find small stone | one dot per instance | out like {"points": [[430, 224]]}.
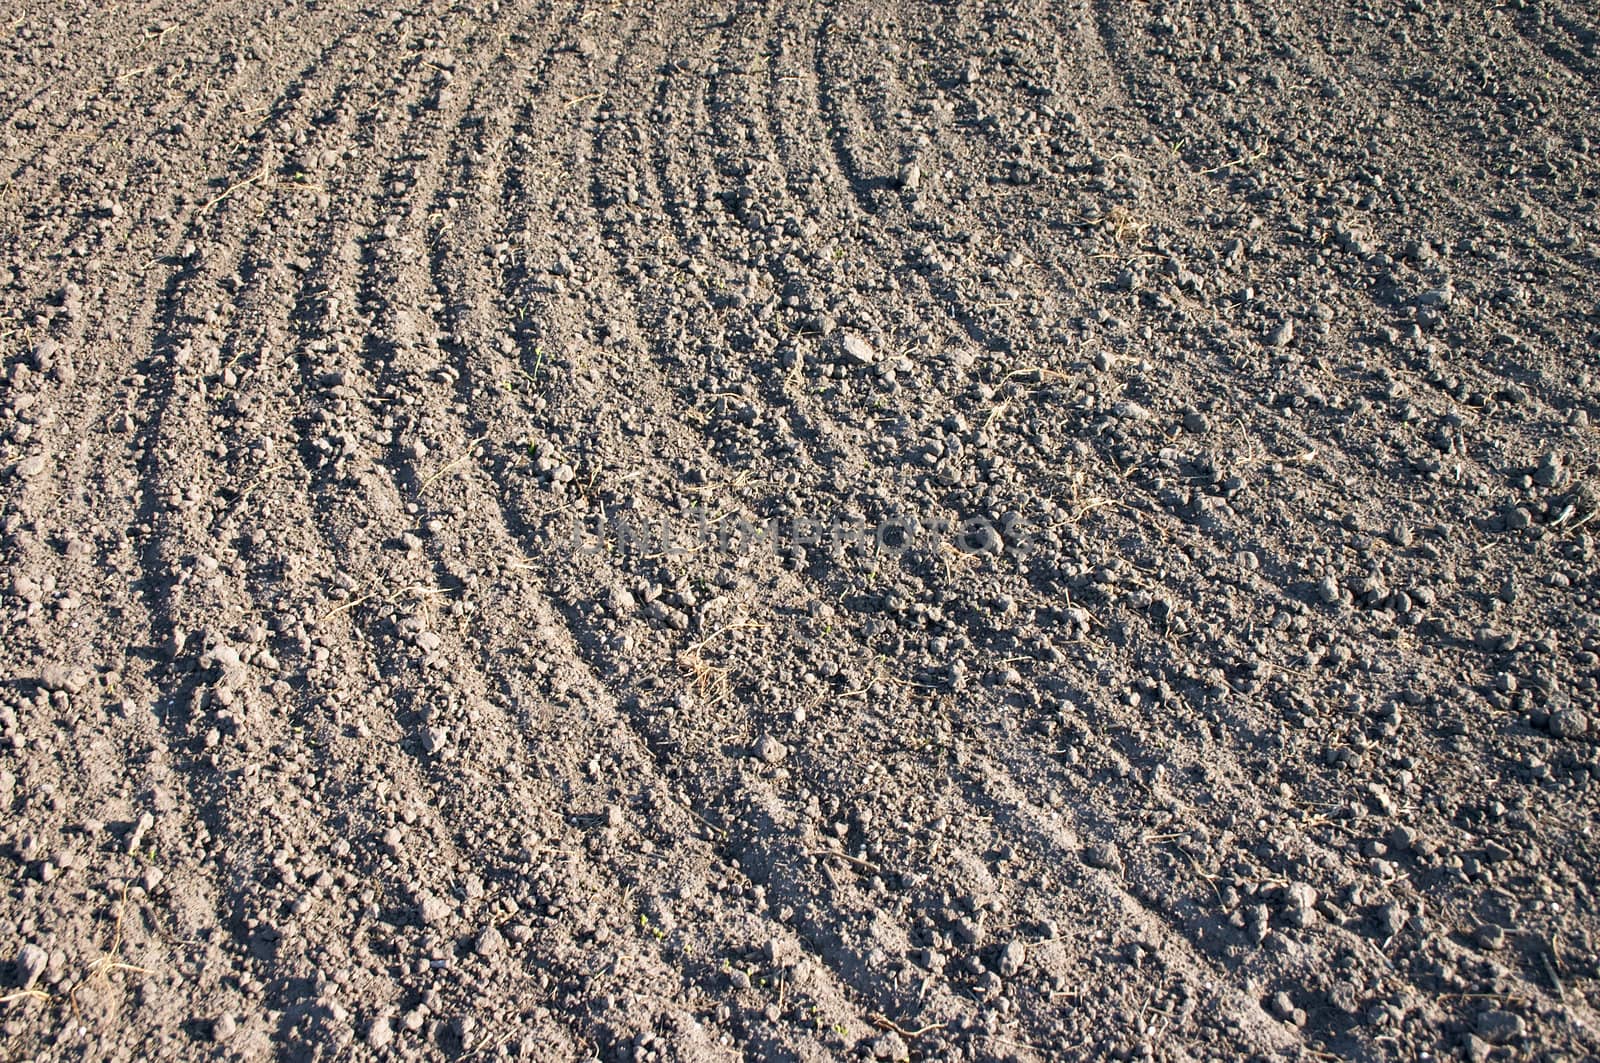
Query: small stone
{"points": [[489, 943], [45, 353], [1012, 957], [30, 467], [857, 349], [432, 910], [140, 828], [1128, 410], [769, 750], [620, 602], [1390, 919], [31, 962], [224, 1027], [1283, 1006], [59, 677], [1548, 473], [1501, 1027], [1569, 723], [1281, 334], [380, 1034], [1102, 855], [1301, 903]]}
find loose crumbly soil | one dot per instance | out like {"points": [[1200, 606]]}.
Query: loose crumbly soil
{"points": [[351, 350]]}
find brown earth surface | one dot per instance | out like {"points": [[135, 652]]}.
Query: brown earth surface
{"points": [[799, 530]]}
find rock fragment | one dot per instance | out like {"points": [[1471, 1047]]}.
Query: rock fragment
{"points": [[380, 1034], [1569, 723], [769, 750], [856, 349], [224, 1027], [1500, 1027], [489, 943], [31, 962], [1300, 904]]}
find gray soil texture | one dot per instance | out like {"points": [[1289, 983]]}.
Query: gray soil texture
{"points": [[807, 529]]}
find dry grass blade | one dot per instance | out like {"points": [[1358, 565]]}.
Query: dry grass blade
{"points": [[231, 189], [883, 1022], [710, 683], [24, 994]]}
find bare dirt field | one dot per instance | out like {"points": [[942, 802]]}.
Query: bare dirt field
{"points": [[799, 530]]}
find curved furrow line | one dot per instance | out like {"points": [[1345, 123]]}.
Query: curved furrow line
{"points": [[473, 333], [93, 397], [741, 927], [845, 118], [762, 843], [196, 111], [1261, 717], [175, 701], [759, 847], [251, 911], [781, 205], [99, 390], [178, 324], [95, 389], [568, 613], [376, 503], [1561, 36], [826, 83], [491, 811], [835, 1010]]}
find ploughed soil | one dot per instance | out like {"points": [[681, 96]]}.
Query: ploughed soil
{"points": [[799, 530]]}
